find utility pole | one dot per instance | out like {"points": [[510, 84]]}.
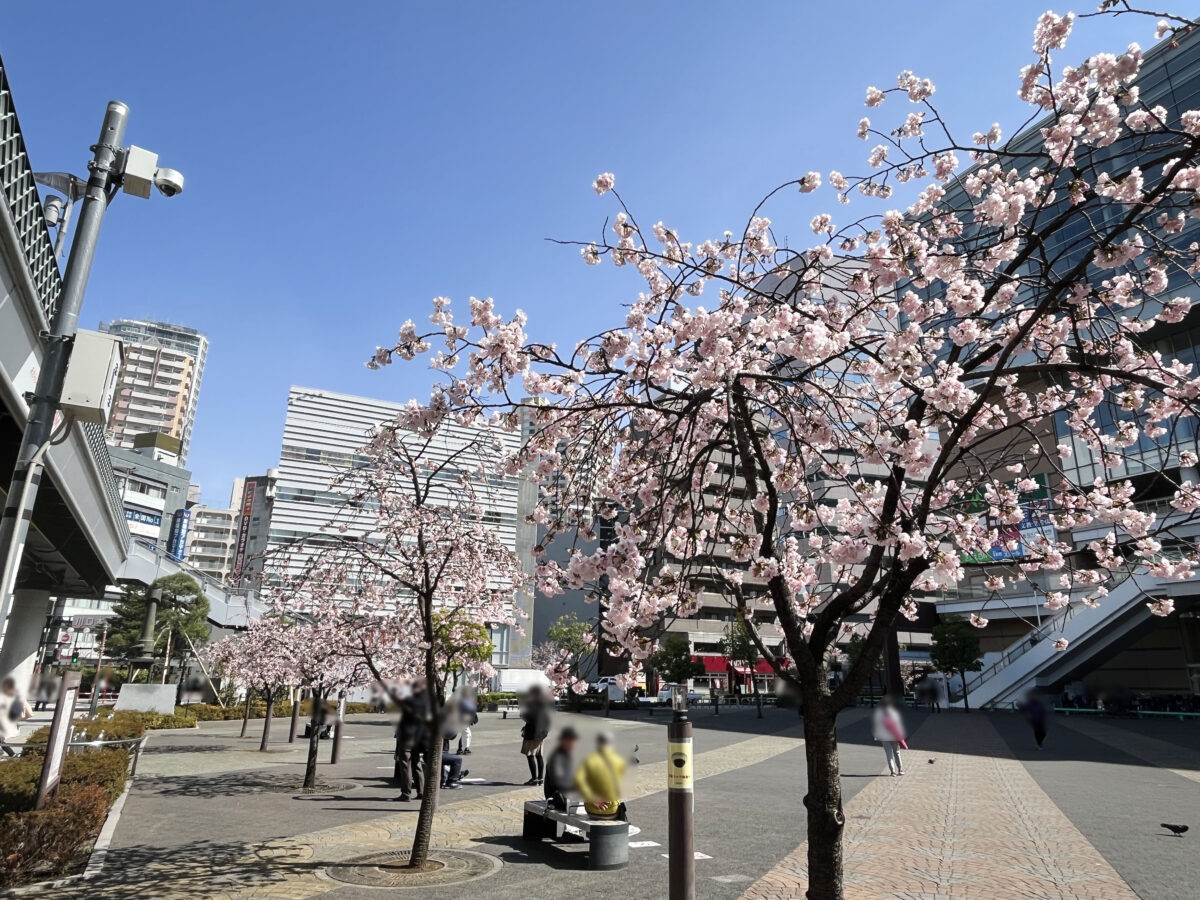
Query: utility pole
{"points": [[113, 166], [96, 679], [27, 473]]}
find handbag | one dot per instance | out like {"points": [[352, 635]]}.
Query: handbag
{"points": [[894, 730]]}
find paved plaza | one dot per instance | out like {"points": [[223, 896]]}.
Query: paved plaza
{"points": [[990, 816]]}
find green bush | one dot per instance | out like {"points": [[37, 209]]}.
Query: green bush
{"points": [[107, 769], [211, 712], [47, 843]]}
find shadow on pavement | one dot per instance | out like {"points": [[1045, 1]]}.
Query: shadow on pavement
{"points": [[197, 869], [564, 855]]}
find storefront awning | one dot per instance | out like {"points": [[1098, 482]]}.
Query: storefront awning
{"points": [[713, 665]]}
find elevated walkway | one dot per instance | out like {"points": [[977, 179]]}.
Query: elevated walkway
{"points": [[227, 607]]}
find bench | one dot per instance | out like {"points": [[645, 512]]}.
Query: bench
{"points": [[608, 839]]}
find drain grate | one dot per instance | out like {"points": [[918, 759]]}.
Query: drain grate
{"points": [[390, 869]]}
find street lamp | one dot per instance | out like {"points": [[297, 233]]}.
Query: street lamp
{"points": [[113, 167], [680, 799]]}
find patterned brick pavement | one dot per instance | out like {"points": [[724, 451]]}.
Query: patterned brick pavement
{"points": [[290, 869], [974, 825]]}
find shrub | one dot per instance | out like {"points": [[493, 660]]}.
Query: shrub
{"points": [[47, 843], [106, 769]]}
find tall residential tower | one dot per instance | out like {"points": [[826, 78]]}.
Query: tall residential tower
{"points": [[159, 385]]}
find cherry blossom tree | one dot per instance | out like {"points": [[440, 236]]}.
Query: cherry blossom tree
{"points": [[261, 658], [842, 429], [412, 575]]}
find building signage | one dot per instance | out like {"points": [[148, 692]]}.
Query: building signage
{"points": [[180, 525], [1014, 541], [239, 559], [136, 515]]}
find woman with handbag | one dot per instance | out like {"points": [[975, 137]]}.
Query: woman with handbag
{"points": [[888, 728]]}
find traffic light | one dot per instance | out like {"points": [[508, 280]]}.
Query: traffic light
{"points": [[74, 657]]}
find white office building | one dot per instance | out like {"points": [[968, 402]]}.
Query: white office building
{"points": [[323, 434]]}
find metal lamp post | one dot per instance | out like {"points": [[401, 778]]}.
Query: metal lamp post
{"points": [[113, 166], [680, 799]]}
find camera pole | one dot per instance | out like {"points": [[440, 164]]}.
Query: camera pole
{"points": [[27, 473]]}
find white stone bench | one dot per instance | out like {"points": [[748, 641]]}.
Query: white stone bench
{"points": [[608, 839]]}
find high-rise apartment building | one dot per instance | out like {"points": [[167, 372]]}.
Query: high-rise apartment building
{"points": [[323, 434], [159, 384], [212, 539]]}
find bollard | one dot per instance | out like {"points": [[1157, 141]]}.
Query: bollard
{"points": [[680, 803]]}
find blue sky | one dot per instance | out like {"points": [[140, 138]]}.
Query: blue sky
{"points": [[347, 163]]}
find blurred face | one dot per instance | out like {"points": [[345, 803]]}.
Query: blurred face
{"points": [[568, 744]]}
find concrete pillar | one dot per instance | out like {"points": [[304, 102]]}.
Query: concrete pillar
{"points": [[26, 621]]}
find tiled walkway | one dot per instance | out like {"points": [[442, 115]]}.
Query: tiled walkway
{"points": [[973, 825], [291, 868]]}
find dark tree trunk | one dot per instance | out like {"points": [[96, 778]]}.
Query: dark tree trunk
{"points": [[824, 799], [246, 713], [966, 702], [266, 732], [314, 738], [757, 694], [429, 793]]}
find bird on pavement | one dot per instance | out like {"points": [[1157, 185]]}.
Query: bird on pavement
{"points": [[1177, 830], [931, 760], [633, 757]]}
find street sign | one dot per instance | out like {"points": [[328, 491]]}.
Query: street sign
{"points": [[89, 621], [60, 733], [65, 639]]}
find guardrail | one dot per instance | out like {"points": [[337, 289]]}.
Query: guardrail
{"points": [[135, 745]]}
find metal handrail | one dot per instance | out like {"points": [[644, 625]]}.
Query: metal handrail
{"points": [[1035, 637], [137, 744]]}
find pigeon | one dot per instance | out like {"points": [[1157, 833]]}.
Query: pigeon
{"points": [[633, 756], [1177, 830], [931, 760]]}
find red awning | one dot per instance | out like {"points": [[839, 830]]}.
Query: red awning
{"points": [[762, 667], [713, 664], [742, 670]]}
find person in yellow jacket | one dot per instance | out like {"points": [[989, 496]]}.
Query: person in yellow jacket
{"points": [[598, 779]]}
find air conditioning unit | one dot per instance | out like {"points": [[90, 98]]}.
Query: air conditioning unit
{"points": [[91, 378]]}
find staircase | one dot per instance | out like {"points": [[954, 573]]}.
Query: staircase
{"points": [[1033, 659]]}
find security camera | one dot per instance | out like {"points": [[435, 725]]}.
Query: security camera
{"points": [[168, 181]]}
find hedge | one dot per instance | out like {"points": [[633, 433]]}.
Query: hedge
{"points": [[105, 769], [211, 712], [47, 843]]}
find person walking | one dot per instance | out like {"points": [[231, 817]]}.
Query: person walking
{"points": [[468, 711], [13, 709], [410, 741], [1035, 715], [560, 770], [534, 732], [888, 728], [599, 780]]}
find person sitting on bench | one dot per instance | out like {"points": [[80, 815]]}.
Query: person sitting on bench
{"points": [[599, 780], [560, 770]]}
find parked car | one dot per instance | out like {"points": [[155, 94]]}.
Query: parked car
{"points": [[663, 698]]}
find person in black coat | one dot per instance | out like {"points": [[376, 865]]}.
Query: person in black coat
{"points": [[534, 732], [410, 741], [560, 769]]}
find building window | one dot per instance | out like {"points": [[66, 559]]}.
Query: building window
{"points": [[499, 636]]}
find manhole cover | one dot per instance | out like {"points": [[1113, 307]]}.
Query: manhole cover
{"points": [[390, 870]]}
